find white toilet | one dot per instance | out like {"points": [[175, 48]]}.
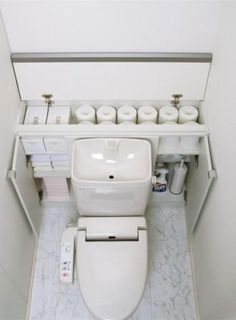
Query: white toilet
{"points": [[111, 180]]}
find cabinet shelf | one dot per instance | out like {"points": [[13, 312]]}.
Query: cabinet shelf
{"points": [[82, 131]]}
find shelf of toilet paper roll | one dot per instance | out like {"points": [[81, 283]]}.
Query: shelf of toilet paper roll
{"points": [[126, 128], [97, 114]]}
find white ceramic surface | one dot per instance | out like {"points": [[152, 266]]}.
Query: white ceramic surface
{"points": [[112, 274], [111, 176], [123, 159]]}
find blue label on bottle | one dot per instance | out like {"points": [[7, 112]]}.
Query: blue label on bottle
{"points": [[159, 187]]}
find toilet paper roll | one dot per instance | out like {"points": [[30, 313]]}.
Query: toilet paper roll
{"points": [[187, 113], [126, 113], [168, 113], [127, 123], [148, 123], [147, 113], [189, 143], [106, 113], [107, 122], [86, 122], [85, 113], [169, 143]]}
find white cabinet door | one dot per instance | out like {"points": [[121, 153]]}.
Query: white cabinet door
{"points": [[24, 184], [111, 77], [198, 184]]}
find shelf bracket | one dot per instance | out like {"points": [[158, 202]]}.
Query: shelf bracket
{"points": [[48, 99]]}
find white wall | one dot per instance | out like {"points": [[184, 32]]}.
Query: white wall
{"points": [[16, 239], [67, 26], [214, 242]]}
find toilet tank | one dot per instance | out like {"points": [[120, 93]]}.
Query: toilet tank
{"points": [[111, 177]]}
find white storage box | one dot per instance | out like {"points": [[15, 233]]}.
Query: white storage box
{"points": [[44, 164], [60, 165], [58, 115], [55, 145], [60, 160], [36, 115], [41, 160], [33, 145], [40, 172]]}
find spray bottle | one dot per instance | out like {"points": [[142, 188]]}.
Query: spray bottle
{"points": [[160, 183]]}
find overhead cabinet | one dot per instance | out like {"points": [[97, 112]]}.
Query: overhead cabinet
{"points": [[112, 76], [111, 79]]}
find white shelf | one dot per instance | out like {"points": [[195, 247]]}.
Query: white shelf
{"points": [[72, 132], [82, 131]]}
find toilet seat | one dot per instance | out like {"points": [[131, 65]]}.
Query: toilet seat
{"points": [[112, 264]]}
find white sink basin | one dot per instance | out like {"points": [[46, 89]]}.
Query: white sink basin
{"points": [[114, 160]]}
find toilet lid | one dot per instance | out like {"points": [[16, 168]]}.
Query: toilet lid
{"points": [[112, 274]]}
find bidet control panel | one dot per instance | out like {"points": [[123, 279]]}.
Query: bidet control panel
{"points": [[67, 255]]}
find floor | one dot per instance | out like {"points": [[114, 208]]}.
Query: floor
{"points": [[169, 291]]}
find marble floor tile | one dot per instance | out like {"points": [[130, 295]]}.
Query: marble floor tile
{"points": [[170, 266], [168, 293]]}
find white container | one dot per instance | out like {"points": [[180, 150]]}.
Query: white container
{"points": [[126, 113], [36, 115], [111, 177], [64, 164], [58, 115], [85, 113], [40, 157], [40, 160], [54, 145], [189, 143], [168, 113], [33, 145], [41, 164], [169, 143], [60, 160], [178, 179], [187, 113], [106, 113], [44, 169], [59, 157], [147, 114]]}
